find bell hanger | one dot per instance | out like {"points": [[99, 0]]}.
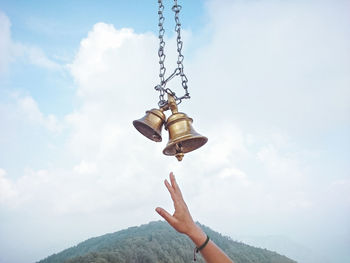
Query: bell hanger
{"points": [[182, 136]]}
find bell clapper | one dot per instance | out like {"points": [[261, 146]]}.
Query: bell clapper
{"points": [[179, 154], [173, 107]]}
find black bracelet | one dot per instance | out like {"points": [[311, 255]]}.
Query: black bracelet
{"points": [[197, 249]]}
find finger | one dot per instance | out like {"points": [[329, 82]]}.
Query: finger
{"points": [[168, 217], [172, 179], [170, 189], [175, 185], [169, 186], [175, 194]]}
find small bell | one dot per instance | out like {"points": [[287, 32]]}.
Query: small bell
{"points": [[151, 124]]}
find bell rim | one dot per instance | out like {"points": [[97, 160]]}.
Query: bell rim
{"points": [[155, 139], [185, 138]]}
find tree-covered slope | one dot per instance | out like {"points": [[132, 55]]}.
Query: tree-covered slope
{"points": [[157, 242]]}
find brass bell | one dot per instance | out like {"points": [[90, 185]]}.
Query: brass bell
{"points": [[151, 124], [182, 137]]}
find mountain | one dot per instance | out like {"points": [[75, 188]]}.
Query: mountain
{"points": [[287, 246], [157, 242]]}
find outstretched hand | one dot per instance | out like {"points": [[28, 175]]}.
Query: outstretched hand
{"points": [[181, 220]]}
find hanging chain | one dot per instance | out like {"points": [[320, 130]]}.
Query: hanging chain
{"points": [[180, 68], [177, 8], [161, 54]]}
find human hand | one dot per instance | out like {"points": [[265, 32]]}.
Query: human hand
{"points": [[181, 220]]}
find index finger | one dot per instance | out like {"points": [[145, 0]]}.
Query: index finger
{"points": [[170, 188], [175, 185]]}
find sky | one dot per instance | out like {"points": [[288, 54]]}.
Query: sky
{"points": [[270, 87]]}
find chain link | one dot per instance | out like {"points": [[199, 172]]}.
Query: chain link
{"points": [[177, 8], [161, 54], [180, 68]]}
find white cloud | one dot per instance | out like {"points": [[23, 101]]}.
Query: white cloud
{"points": [[28, 109], [37, 57], [34, 55], [228, 143], [12, 50], [7, 191], [273, 64], [340, 190], [277, 165], [85, 168], [122, 61]]}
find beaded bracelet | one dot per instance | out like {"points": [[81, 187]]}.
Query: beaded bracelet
{"points": [[197, 249]]}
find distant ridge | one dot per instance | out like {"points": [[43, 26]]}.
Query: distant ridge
{"points": [[157, 242]]}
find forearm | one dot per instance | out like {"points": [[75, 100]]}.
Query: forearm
{"points": [[211, 253]]}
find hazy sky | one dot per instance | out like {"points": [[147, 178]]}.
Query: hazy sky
{"points": [[270, 87]]}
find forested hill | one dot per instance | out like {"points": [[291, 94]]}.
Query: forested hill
{"points": [[157, 242]]}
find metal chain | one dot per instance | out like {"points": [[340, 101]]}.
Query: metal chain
{"points": [[177, 8], [161, 54], [180, 68]]}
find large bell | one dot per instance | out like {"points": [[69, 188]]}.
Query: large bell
{"points": [[182, 137], [151, 124]]}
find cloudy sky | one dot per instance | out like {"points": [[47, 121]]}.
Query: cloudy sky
{"points": [[270, 87]]}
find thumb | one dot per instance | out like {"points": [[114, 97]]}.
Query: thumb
{"points": [[163, 213]]}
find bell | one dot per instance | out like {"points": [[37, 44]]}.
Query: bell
{"points": [[151, 124], [182, 137]]}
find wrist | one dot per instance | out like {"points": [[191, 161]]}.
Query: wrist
{"points": [[197, 235]]}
